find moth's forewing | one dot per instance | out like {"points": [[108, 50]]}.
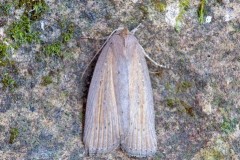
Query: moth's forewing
{"points": [[102, 125], [140, 137]]}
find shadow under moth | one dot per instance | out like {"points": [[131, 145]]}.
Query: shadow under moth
{"points": [[120, 111]]}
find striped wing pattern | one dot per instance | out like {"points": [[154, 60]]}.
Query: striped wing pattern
{"points": [[140, 139], [102, 129], [120, 102]]}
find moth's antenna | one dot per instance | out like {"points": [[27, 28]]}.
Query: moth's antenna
{"points": [[120, 28], [136, 28]]}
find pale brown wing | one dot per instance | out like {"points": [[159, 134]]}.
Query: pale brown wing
{"points": [[102, 124], [140, 138]]}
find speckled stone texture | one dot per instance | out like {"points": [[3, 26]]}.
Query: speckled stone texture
{"points": [[197, 102]]}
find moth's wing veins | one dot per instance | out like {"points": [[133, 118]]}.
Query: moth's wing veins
{"points": [[140, 139], [102, 126]]}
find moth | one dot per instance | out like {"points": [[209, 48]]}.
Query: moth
{"points": [[120, 111]]}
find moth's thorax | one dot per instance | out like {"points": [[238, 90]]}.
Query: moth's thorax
{"points": [[124, 33]]}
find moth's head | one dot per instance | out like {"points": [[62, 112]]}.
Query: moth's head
{"points": [[124, 32]]}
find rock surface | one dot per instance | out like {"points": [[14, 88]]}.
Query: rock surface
{"points": [[43, 97]]}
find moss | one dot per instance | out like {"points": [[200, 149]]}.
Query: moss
{"points": [[3, 50], [168, 86], [228, 125], [182, 106], [34, 9], [144, 10], [3, 63], [202, 11], [183, 86], [183, 5], [3, 54], [5, 8], [159, 5], [13, 67], [8, 82], [171, 102], [212, 154], [68, 33], [178, 25], [21, 32], [4, 58], [46, 80], [53, 49], [13, 135], [187, 107]]}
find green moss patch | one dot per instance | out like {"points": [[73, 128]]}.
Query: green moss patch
{"points": [[184, 5], [144, 10], [8, 82], [159, 5], [187, 107], [53, 49], [67, 31], [202, 11], [171, 102], [13, 135], [178, 103], [183, 86], [9, 68], [228, 125], [5, 8], [3, 54], [46, 80], [21, 32], [34, 9], [181, 105], [212, 154]]}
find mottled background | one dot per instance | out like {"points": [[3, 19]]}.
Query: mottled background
{"points": [[43, 55]]}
